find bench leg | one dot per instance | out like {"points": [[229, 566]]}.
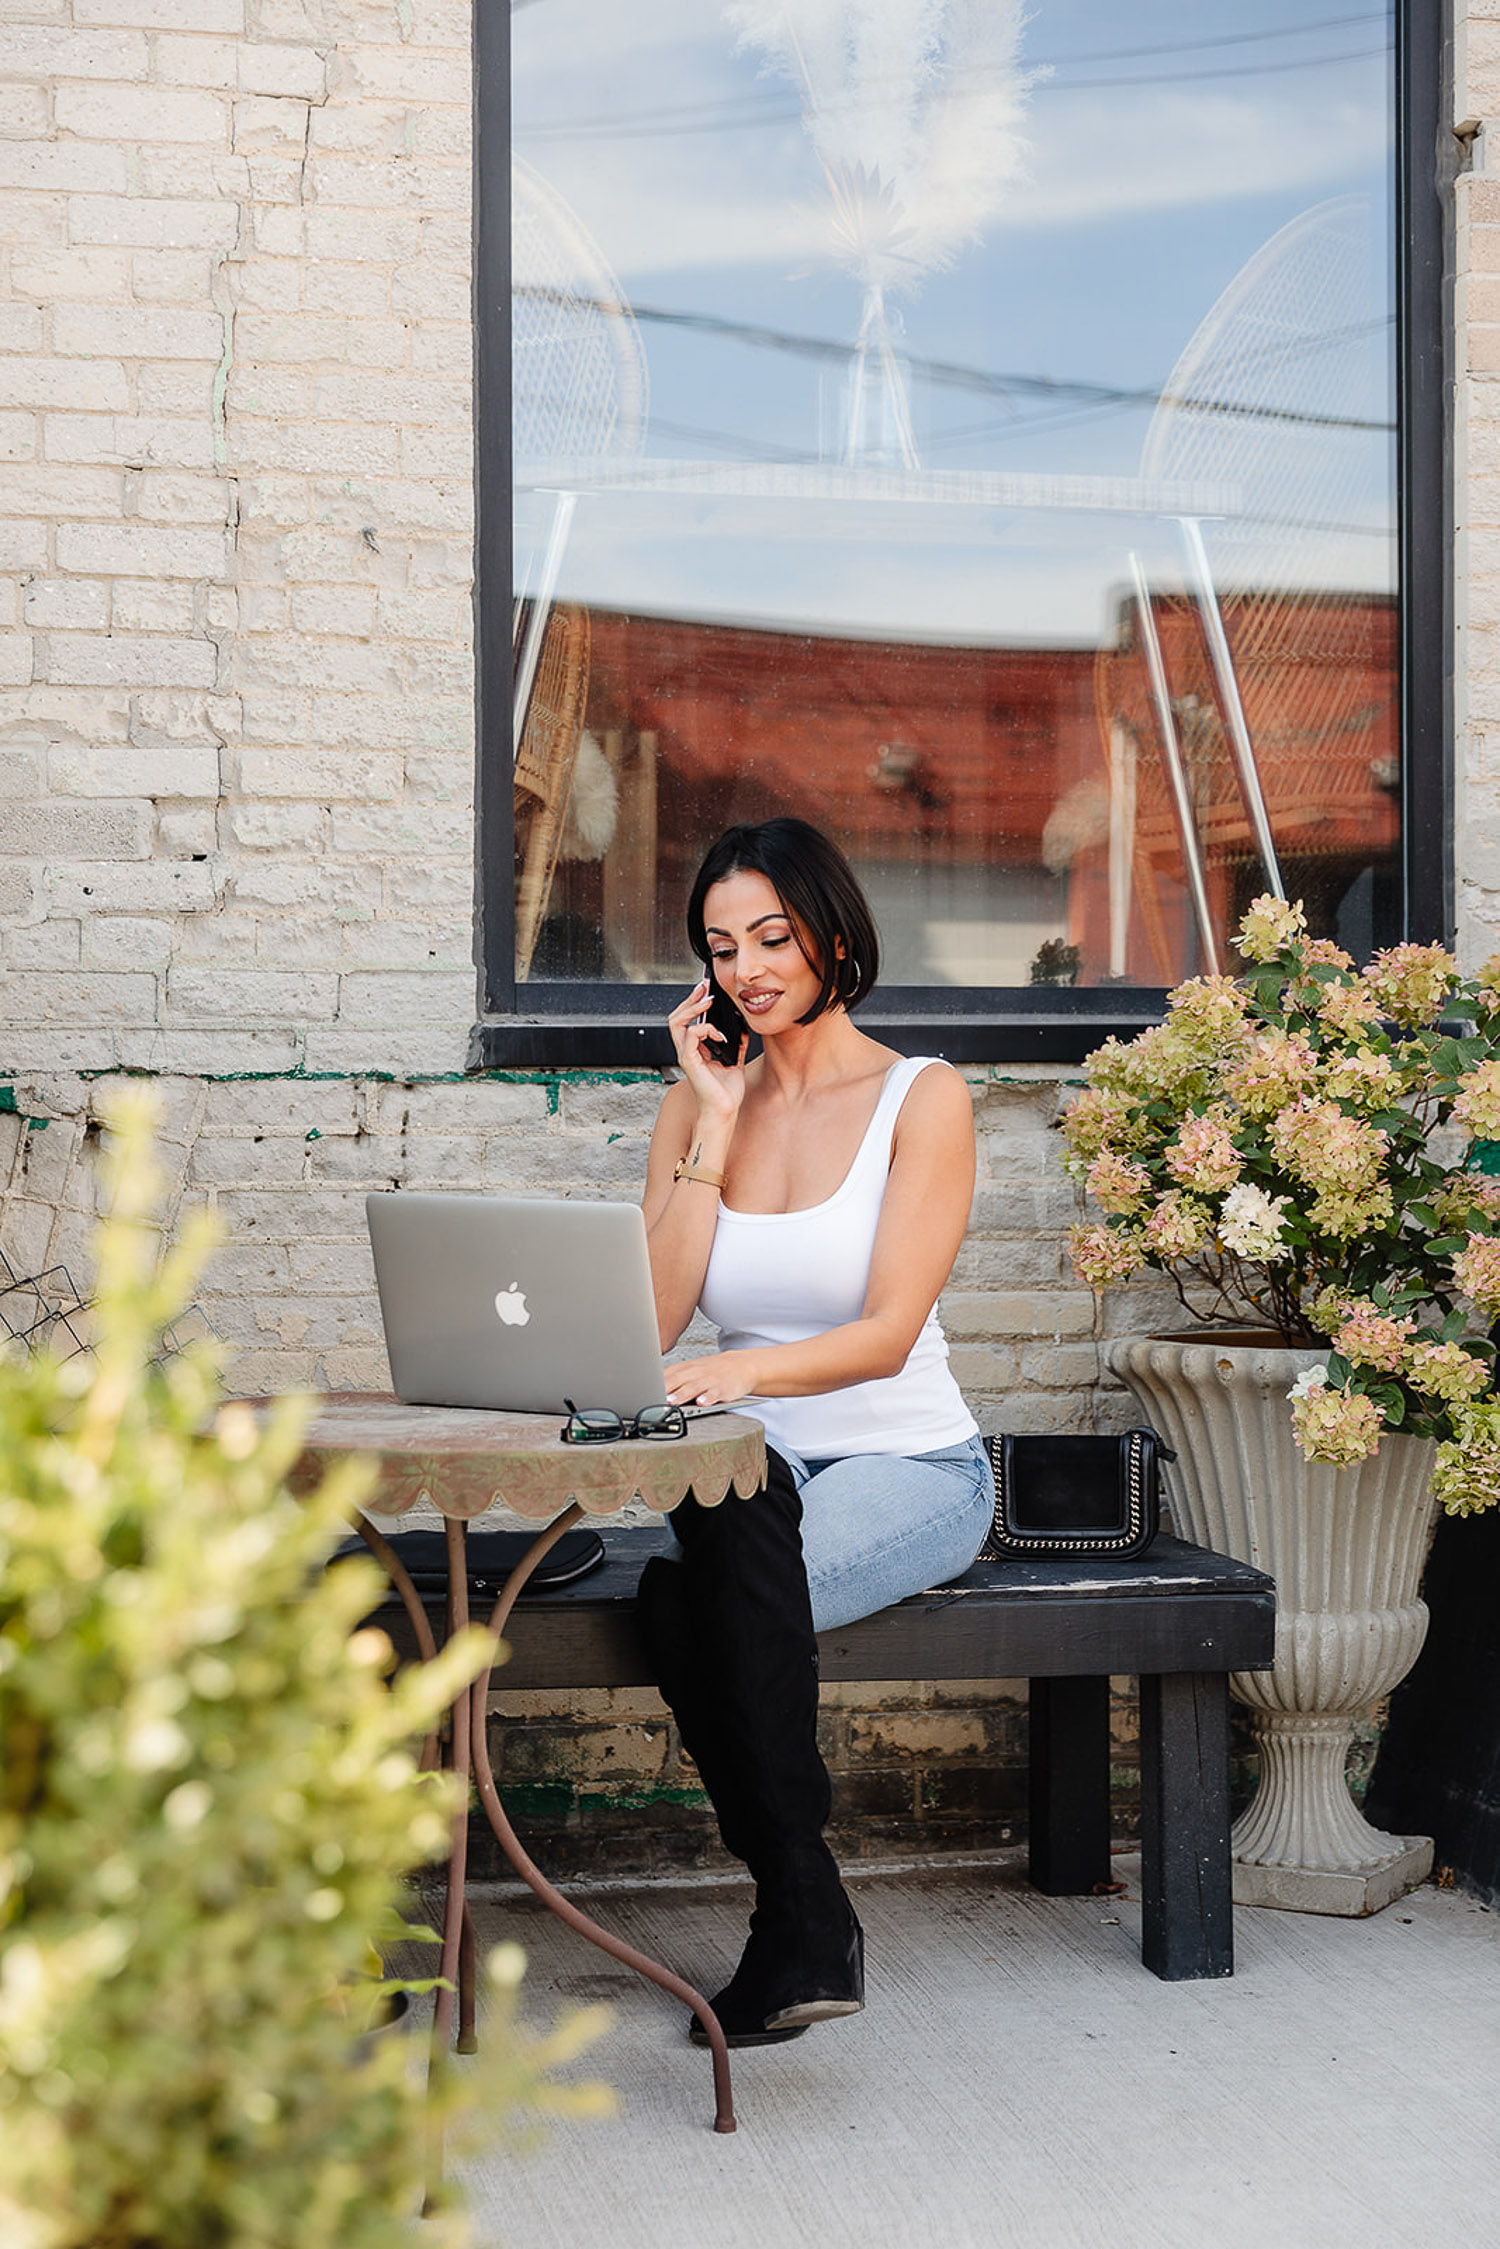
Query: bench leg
{"points": [[1187, 1928], [1068, 1785]]}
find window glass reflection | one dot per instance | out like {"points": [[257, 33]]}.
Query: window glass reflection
{"points": [[973, 432]]}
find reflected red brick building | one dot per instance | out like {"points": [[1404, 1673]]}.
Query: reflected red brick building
{"points": [[1006, 762]]}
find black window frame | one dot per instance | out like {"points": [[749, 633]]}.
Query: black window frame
{"points": [[544, 1025]]}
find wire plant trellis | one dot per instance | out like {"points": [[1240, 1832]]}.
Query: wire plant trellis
{"points": [[47, 1311], [192, 1326], [41, 1312]]}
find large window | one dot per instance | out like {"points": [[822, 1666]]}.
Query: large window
{"points": [[972, 426]]}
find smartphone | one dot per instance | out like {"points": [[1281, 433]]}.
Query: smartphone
{"points": [[726, 1019]]}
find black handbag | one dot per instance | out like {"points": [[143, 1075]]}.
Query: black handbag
{"points": [[492, 1555], [1061, 1496]]}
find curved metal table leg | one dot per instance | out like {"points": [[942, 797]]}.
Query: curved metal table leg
{"points": [[535, 1880], [395, 1569], [457, 1962], [468, 2036], [455, 1906]]}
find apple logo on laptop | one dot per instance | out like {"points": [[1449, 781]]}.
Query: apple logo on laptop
{"points": [[511, 1306]]}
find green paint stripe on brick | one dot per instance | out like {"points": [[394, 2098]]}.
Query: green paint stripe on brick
{"points": [[555, 1800], [553, 1078], [538, 1800], [10, 1107], [639, 1799]]}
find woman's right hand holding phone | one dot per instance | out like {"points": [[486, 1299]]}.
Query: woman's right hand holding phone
{"points": [[719, 1085], [695, 1127]]}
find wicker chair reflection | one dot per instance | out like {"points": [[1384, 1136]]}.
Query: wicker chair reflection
{"points": [[544, 769]]}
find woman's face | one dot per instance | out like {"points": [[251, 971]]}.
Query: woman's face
{"points": [[758, 953]]}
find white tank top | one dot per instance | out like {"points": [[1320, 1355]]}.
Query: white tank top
{"points": [[784, 1276]]}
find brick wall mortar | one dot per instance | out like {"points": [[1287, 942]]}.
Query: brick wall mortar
{"points": [[235, 407]]}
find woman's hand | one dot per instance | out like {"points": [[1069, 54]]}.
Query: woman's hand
{"points": [[714, 1381], [696, 1123], [718, 1087]]}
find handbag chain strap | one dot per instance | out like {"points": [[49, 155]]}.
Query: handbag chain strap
{"points": [[1102, 1542]]}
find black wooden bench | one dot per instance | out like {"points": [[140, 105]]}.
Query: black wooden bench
{"points": [[1179, 1620]]}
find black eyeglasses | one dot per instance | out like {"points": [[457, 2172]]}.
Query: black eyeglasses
{"points": [[597, 1425]]}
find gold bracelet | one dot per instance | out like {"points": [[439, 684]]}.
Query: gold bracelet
{"points": [[685, 1170]]}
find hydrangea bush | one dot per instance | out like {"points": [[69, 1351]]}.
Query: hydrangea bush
{"points": [[1300, 1149], [208, 1801]]}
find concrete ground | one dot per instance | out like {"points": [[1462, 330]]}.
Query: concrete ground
{"points": [[1018, 2081]]}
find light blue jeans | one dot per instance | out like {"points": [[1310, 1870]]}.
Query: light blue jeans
{"points": [[877, 1527]]}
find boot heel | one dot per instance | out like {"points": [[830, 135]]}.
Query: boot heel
{"points": [[792, 2019], [830, 2006]]}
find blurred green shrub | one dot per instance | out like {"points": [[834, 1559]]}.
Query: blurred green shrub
{"points": [[208, 1799]]}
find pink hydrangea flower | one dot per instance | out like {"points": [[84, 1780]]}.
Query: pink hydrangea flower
{"points": [[1411, 982], [1326, 1149], [1368, 1079], [1204, 1155], [1447, 1371], [1173, 1060], [1348, 1010], [1210, 1008], [1329, 1306], [1372, 1338], [1476, 1270], [1322, 952], [1109, 1065], [1339, 1426], [1277, 1067], [1116, 1183], [1269, 925], [1097, 1119], [1478, 1103], [1350, 1213], [1102, 1254], [1466, 1478], [1464, 1195], [1304, 989], [1178, 1227]]}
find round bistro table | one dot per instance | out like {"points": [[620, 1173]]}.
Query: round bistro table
{"points": [[462, 1462]]}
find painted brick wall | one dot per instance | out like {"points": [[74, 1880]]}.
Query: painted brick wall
{"points": [[235, 736]]}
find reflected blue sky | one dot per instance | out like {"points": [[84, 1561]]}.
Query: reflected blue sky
{"points": [[1163, 150]]}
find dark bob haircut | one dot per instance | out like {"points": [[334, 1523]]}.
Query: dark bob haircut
{"points": [[819, 890]]}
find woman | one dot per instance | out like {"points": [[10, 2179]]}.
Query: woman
{"points": [[812, 1202]]}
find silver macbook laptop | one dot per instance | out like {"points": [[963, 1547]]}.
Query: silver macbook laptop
{"points": [[516, 1305]]}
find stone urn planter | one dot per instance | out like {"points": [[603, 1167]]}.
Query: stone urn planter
{"points": [[1346, 1548]]}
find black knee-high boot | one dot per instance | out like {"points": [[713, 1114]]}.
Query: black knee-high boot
{"points": [[729, 1632]]}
